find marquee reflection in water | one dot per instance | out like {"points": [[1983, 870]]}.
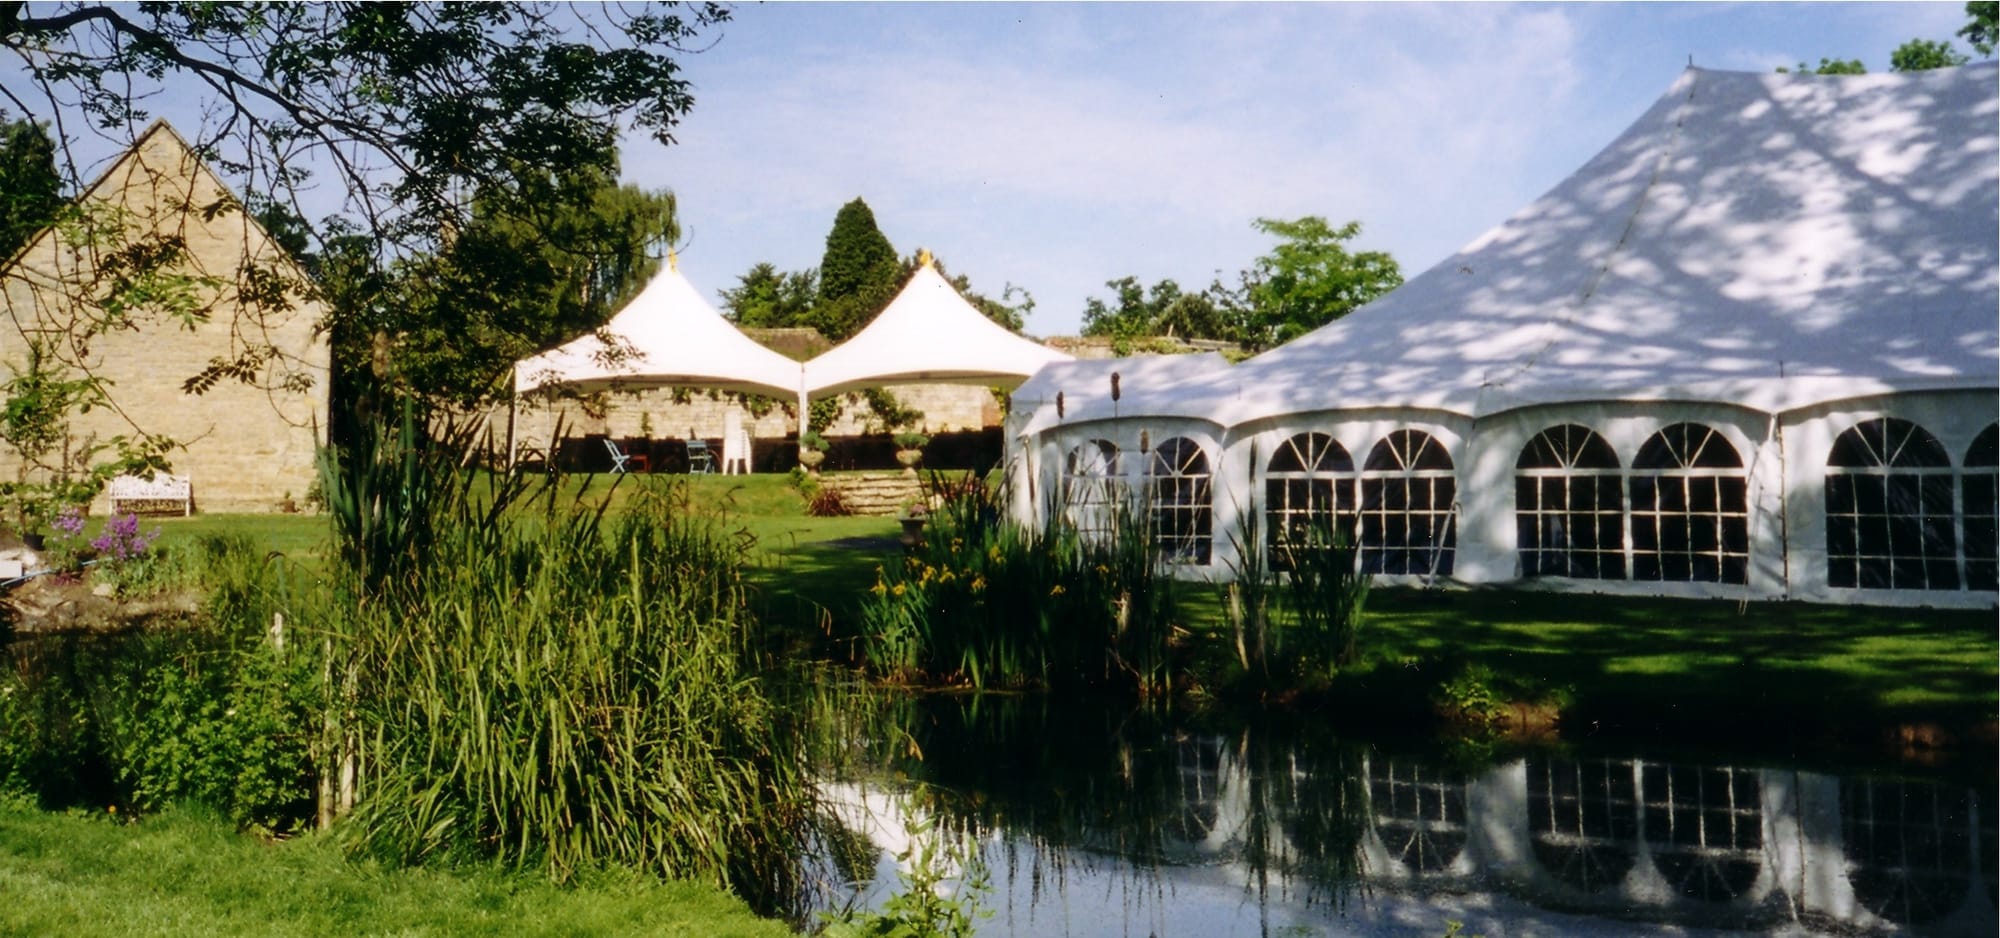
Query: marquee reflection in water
{"points": [[1110, 822]]}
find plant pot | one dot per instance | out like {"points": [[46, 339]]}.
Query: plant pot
{"points": [[913, 532], [36, 541], [909, 458], [811, 458]]}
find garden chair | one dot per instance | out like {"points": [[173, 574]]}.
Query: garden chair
{"points": [[735, 444], [622, 461], [699, 457]]}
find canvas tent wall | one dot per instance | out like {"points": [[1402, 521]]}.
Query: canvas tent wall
{"points": [[1749, 349]]}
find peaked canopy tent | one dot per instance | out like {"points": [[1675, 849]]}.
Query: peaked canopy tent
{"points": [[667, 336], [928, 334], [1774, 292]]}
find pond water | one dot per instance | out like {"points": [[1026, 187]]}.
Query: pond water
{"points": [[1100, 821]]}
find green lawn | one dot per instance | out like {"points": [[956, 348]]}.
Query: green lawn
{"points": [[179, 875], [1665, 661]]}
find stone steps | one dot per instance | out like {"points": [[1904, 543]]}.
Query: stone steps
{"points": [[875, 493]]}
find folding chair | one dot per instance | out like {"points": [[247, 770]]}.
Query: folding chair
{"points": [[622, 461], [699, 457]]}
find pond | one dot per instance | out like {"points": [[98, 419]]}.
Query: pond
{"points": [[1096, 820]]}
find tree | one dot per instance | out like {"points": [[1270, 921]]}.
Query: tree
{"points": [[1310, 279], [1919, 55], [430, 117], [1985, 25], [1830, 67], [1165, 309], [858, 274], [522, 276], [764, 298], [30, 189]]}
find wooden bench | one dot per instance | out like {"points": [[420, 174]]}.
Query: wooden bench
{"points": [[160, 493]]}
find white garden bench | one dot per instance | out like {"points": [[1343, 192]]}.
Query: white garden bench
{"points": [[160, 493]]}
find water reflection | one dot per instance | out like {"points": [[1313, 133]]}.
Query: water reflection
{"points": [[1106, 822]]}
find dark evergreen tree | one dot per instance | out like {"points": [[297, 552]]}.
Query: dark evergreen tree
{"points": [[858, 275], [30, 189]]}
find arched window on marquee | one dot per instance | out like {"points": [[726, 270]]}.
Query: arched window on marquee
{"points": [[1181, 501], [1569, 506], [1690, 508], [1308, 490], [1889, 509], [1408, 494]]}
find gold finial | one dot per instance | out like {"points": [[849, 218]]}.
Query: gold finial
{"points": [[924, 258], [674, 261]]}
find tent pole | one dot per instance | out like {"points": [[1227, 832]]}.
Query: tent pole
{"points": [[805, 418], [513, 406]]}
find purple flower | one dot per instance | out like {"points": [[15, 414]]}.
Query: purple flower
{"points": [[70, 522], [121, 539]]}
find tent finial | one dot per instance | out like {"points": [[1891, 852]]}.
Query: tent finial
{"points": [[674, 261], [924, 258]]}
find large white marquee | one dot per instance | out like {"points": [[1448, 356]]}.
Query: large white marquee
{"points": [[1749, 349]]}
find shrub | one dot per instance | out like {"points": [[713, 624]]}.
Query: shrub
{"points": [[990, 603], [827, 502]]}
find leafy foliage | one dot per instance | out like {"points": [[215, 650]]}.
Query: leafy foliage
{"points": [[30, 189], [1985, 25], [1919, 55], [858, 274], [1310, 279]]}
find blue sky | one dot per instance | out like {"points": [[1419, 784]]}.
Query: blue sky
{"points": [[1057, 146]]}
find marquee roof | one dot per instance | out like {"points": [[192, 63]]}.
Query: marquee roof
{"points": [[667, 336], [1769, 240], [928, 334]]}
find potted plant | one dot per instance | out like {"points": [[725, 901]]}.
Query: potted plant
{"points": [[910, 450], [812, 450]]}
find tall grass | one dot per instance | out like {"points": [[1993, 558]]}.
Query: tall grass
{"points": [[993, 604], [552, 688]]}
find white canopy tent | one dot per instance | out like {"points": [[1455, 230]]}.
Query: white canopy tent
{"points": [[1802, 269], [667, 336], [928, 334]]}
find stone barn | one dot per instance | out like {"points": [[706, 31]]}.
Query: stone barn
{"points": [[160, 278]]}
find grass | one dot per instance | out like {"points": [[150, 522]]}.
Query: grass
{"points": [[181, 874], [1621, 657]]}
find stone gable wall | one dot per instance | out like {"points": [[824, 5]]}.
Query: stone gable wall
{"points": [[243, 445]]}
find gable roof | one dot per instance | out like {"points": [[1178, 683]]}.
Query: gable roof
{"points": [[667, 336], [928, 334], [1769, 240]]}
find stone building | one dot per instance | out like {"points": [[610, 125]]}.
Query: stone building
{"points": [[162, 278]]}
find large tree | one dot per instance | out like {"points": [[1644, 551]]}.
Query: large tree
{"points": [[765, 298], [1164, 309], [1310, 278], [858, 274], [430, 120]]}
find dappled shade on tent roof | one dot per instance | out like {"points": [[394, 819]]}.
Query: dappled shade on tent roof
{"points": [[1770, 240]]}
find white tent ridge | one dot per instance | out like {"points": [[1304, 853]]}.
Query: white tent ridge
{"points": [[668, 335], [928, 334]]}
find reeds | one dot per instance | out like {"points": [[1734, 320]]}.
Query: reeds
{"points": [[993, 604], [562, 689]]}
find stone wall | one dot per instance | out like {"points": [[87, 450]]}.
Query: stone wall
{"points": [[244, 445], [657, 414]]}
